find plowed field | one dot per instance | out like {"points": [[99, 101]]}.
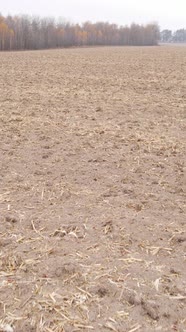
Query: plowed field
{"points": [[92, 190]]}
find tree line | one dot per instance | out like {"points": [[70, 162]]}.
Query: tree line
{"points": [[169, 36], [26, 33]]}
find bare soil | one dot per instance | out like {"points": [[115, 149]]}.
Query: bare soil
{"points": [[92, 190]]}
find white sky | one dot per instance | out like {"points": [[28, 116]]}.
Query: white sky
{"points": [[169, 14]]}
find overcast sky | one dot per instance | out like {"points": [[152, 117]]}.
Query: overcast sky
{"points": [[168, 13]]}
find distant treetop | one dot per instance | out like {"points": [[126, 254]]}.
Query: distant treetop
{"points": [[178, 36]]}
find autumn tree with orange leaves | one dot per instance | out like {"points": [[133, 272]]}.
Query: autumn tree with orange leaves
{"points": [[6, 35]]}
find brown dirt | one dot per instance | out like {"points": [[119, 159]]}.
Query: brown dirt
{"points": [[92, 190]]}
